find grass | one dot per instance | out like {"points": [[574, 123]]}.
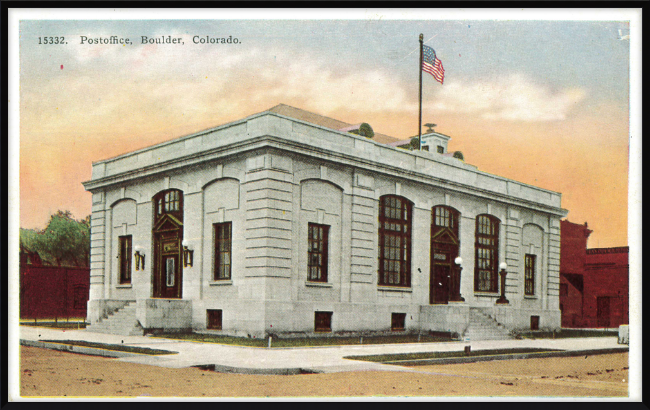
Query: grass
{"points": [[57, 325], [388, 358], [566, 333], [105, 346], [306, 341]]}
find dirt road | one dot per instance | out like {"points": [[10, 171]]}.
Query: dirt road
{"points": [[52, 373]]}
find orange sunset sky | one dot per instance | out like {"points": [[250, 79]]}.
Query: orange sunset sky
{"points": [[542, 102]]}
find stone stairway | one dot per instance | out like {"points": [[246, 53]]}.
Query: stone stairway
{"points": [[483, 327], [120, 322]]}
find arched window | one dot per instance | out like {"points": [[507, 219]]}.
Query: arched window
{"points": [[395, 214], [487, 254], [168, 202], [445, 217]]}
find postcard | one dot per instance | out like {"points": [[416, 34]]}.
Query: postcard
{"points": [[324, 204]]}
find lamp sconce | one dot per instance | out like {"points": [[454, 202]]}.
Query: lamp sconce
{"points": [[188, 254], [139, 257]]}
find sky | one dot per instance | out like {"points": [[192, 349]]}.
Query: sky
{"points": [[544, 102]]}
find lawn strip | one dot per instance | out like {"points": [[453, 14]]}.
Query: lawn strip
{"points": [[303, 341], [114, 347], [384, 358]]}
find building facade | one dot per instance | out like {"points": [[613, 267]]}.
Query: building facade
{"points": [[277, 225], [594, 283]]}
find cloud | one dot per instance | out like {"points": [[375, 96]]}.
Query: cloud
{"points": [[511, 98]]}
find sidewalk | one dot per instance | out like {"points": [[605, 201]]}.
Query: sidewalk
{"points": [[243, 359]]}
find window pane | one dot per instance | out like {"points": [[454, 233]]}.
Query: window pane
{"points": [[170, 270]]}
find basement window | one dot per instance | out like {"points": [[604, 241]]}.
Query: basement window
{"points": [[398, 322], [214, 319], [323, 321]]}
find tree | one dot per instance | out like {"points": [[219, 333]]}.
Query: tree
{"points": [[459, 155], [64, 242], [365, 130]]}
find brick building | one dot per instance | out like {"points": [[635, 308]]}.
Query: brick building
{"points": [[593, 282]]}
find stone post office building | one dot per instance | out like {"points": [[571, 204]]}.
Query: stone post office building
{"points": [[280, 223]]}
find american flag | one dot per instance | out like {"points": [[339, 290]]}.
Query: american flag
{"points": [[432, 65]]}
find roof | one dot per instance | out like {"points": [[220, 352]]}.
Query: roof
{"points": [[327, 122]]}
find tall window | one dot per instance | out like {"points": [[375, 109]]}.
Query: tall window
{"points": [[487, 254], [394, 241], [529, 274], [317, 253], [222, 250], [125, 259]]}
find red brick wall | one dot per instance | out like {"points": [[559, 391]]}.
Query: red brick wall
{"points": [[53, 293], [573, 244], [606, 276]]}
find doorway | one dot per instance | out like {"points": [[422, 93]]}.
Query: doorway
{"points": [[602, 311], [444, 250], [167, 250]]}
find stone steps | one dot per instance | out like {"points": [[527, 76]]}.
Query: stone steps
{"points": [[483, 327], [121, 322]]}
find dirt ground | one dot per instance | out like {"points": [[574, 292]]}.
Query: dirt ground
{"points": [[57, 374]]}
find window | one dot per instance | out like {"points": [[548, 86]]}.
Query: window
{"points": [[222, 250], [317, 252], [398, 322], [441, 149], [487, 249], [394, 241], [445, 217], [425, 147], [529, 274], [214, 319], [170, 271], [323, 321], [168, 202], [125, 259], [534, 323]]}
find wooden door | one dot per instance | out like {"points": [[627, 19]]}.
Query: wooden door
{"points": [[439, 293], [167, 275], [603, 311]]}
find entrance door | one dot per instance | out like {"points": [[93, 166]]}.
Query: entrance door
{"points": [[167, 269], [440, 284], [444, 249], [167, 251], [603, 311]]}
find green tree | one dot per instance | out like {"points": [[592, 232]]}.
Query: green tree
{"points": [[64, 242], [365, 130]]}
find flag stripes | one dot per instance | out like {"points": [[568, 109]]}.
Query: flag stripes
{"points": [[432, 65]]}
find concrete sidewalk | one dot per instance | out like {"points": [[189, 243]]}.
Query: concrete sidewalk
{"points": [[243, 359]]}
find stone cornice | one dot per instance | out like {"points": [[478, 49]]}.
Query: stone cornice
{"points": [[270, 130]]}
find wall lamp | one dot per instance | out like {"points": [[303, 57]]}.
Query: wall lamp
{"points": [[139, 257], [188, 254]]}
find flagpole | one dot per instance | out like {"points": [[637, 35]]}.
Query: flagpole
{"points": [[420, 117]]}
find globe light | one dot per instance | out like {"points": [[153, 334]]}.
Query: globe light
{"points": [[503, 266], [458, 261]]}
